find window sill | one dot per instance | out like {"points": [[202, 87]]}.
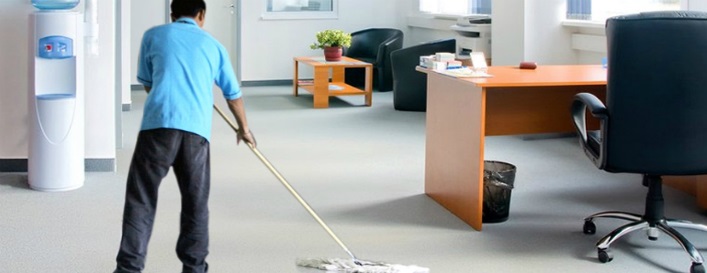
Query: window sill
{"points": [[437, 22], [583, 24]]}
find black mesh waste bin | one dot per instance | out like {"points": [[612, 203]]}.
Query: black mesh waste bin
{"points": [[498, 183]]}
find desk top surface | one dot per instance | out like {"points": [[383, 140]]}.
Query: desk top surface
{"points": [[544, 75]]}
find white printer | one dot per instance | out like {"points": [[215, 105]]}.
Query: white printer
{"points": [[473, 35]]}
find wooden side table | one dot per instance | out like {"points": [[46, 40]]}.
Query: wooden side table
{"points": [[322, 88]]}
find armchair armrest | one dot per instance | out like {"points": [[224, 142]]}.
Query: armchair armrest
{"points": [[593, 147]]}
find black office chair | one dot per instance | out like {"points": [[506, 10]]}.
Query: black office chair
{"points": [[374, 46], [410, 85], [654, 122]]}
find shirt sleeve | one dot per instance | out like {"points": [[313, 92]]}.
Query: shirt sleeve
{"points": [[226, 78], [144, 67]]}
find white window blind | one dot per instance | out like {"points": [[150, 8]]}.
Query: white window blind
{"points": [[455, 7]]}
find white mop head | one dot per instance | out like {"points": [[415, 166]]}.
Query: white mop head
{"points": [[348, 266]]}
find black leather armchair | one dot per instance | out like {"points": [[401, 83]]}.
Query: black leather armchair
{"points": [[654, 122], [374, 46], [410, 85]]}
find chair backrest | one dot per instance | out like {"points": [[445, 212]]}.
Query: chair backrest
{"points": [[365, 43], [657, 93], [409, 85]]}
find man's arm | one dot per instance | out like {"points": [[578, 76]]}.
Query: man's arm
{"points": [[238, 111]]}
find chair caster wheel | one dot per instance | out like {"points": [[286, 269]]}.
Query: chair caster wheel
{"points": [[605, 255], [652, 233], [589, 227], [697, 268]]}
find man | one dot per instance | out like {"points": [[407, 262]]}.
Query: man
{"points": [[178, 65]]}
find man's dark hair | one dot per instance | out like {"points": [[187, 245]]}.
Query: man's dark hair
{"points": [[188, 8]]}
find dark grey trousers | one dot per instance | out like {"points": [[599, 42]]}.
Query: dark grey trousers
{"points": [[155, 152]]}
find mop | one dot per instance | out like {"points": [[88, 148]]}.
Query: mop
{"points": [[353, 265]]}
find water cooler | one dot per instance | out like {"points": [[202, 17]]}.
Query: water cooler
{"points": [[56, 97]]}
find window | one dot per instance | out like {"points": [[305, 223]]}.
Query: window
{"points": [[300, 9], [600, 10], [455, 7]]}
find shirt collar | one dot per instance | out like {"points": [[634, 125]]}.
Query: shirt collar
{"points": [[186, 20]]}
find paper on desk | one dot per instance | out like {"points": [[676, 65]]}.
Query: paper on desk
{"points": [[465, 73]]}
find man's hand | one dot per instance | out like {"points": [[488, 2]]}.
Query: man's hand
{"points": [[238, 110], [247, 136]]}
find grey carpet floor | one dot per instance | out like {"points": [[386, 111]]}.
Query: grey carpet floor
{"points": [[362, 169]]}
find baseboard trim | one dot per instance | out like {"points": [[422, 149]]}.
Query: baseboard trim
{"points": [[138, 87], [265, 83], [100, 165], [90, 164], [13, 165]]}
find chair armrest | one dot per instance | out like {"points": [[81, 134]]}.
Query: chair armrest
{"points": [[596, 107], [583, 102]]}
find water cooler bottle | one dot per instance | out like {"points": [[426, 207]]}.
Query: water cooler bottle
{"points": [[56, 97]]}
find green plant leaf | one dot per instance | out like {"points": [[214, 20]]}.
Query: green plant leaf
{"points": [[332, 38]]}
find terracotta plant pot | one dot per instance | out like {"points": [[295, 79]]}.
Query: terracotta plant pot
{"points": [[332, 54]]}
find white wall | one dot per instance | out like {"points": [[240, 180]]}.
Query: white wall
{"points": [[508, 37], [14, 76], [101, 87], [531, 30], [547, 42], [14, 19], [522, 30], [699, 5], [124, 51], [143, 15], [269, 45]]}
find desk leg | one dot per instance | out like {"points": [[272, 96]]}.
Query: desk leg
{"points": [[295, 80], [369, 85], [454, 148], [321, 87]]}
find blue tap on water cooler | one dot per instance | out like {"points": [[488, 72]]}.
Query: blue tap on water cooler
{"points": [[55, 47]]}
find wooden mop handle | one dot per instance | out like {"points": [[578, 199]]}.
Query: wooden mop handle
{"points": [[287, 185]]}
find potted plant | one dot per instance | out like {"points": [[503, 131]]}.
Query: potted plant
{"points": [[332, 41]]}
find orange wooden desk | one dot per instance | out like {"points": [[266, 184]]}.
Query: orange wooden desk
{"points": [[320, 86], [462, 111]]}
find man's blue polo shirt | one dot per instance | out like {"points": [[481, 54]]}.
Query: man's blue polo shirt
{"points": [[181, 62]]}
